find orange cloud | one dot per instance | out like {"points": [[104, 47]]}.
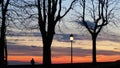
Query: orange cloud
{"points": [[66, 59], [25, 58], [83, 59], [112, 58]]}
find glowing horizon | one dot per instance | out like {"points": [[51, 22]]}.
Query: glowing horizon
{"points": [[65, 59], [23, 49]]}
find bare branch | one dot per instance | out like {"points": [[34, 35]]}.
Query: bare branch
{"points": [[68, 8]]}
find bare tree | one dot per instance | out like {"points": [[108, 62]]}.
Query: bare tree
{"points": [[4, 6], [96, 14], [10, 17], [5, 19], [49, 13]]}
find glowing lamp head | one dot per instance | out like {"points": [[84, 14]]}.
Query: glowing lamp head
{"points": [[71, 37]]}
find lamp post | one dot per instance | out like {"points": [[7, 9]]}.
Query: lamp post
{"points": [[71, 39]]}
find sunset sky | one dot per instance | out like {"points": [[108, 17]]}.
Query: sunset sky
{"points": [[23, 45], [22, 49]]}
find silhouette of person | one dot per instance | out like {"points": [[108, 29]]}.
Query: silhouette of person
{"points": [[32, 62]]}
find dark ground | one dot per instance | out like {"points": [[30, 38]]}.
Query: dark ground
{"points": [[75, 65]]}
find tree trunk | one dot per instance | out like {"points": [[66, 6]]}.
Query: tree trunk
{"points": [[46, 54], [1, 53], [94, 49], [47, 41], [2, 44], [6, 54]]}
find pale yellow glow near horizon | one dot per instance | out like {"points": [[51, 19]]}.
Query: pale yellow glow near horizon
{"points": [[106, 45], [83, 44], [25, 40]]}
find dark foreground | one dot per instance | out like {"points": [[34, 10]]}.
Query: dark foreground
{"points": [[76, 65]]}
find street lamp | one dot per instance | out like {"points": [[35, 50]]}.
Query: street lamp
{"points": [[71, 39]]}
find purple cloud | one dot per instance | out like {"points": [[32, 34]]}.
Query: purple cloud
{"points": [[15, 50]]}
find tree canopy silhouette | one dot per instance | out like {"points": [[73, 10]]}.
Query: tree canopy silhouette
{"points": [[94, 16], [49, 13]]}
